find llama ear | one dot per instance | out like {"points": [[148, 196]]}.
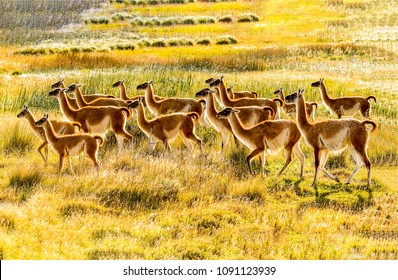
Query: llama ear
{"points": [[61, 80], [25, 107], [151, 82], [231, 86], [222, 78], [122, 81], [281, 88], [321, 79], [140, 99], [78, 85]]}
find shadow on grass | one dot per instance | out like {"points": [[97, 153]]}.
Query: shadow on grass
{"points": [[341, 198]]}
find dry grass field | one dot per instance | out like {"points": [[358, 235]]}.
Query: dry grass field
{"points": [[202, 204]]}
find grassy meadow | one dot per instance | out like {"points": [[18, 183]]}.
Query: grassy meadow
{"points": [[201, 204]]}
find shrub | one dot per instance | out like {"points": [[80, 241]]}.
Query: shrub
{"points": [[174, 42], [248, 18], [97, 20], [121, 16], [16, 73], [188, 21], [188, 42], [124, 47], [88, 49], [206, 20], [175, 1], [137, 22], [225, 19], [159, 43], [169, 21], [144, 43], [203, 41], [226, 40]]}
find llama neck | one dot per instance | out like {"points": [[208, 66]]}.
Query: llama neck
{"points": [[123, 94], [324, 94], [281, 95], [49, 131], [224, 95], [301, 115], [236, 125], [38, 130], [79, 98], [230, 93], [150, 99], [31, 120], [211, 106], [67, 111], [218, 95], [142, 121]]}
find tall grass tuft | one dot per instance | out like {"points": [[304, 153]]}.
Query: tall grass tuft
{"points": [[16, 139], [7, 222], [139, 196], [24, 180]]}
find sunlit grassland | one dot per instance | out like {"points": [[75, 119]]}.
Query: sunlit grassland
{"points": [[145, 206], [204, 204]]}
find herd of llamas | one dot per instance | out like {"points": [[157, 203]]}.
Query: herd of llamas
{"points": [[253, 121]]}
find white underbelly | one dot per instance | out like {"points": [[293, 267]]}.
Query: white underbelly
{"points": [[337, 142], [172, 133], [275, 145], [247, 143], [351, 111], [76, 150], [186, 108], [100, 127]]}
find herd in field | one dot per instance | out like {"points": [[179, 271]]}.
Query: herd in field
{"points": [[253, 121]]}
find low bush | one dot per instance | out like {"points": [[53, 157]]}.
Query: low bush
{"points": [[226, 40], [225, 19], [248, 18], [203, 41], [97, 20]]}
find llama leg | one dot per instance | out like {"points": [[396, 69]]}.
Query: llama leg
{"points": [[46, 152], [261, 157], [250, 157], [119, 139], [358, 161], [187, 143], [43, 145], [316, 156], [224, 141], [69, 162], [190, 134], [61, 164], [323, 156], [297, 151], [152, 144], [166, 144], [91, 152], [288, 157]]}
